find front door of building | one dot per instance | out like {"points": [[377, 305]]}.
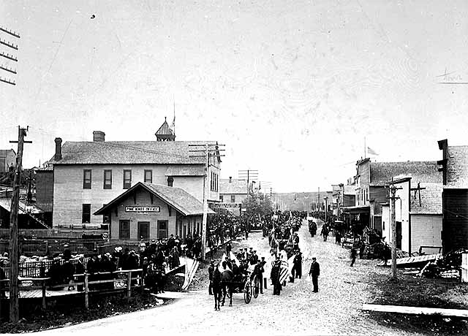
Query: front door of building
{"points": [[124, 229], [162, 229], [398, 235], [143, 230]]}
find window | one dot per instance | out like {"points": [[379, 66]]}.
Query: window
{"points": [[162, 229], [87, 179], [127, 179], [170, 181], [124, 229], [86, 214], [233, 198], [107, 179], [214, 182], [149, 176], [221, 198]]}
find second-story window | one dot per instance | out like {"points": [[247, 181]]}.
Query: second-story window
{"points": [[87, 179], [127, 179], [233, 198], [221, 198], [149, 176], [107, 179]]}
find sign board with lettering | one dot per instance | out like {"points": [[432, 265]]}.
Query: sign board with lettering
{"points": [[226, 205], [142, 209]]}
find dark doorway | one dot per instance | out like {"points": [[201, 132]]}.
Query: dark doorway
{"points": [[124, 229], [143, 230], [398, 235]]}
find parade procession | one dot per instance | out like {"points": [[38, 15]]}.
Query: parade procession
{"points": [[267, 167]]}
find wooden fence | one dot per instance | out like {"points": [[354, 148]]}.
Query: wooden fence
{"points": [[34, 287]]}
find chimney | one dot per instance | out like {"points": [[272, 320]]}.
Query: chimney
{"points": [[230, 179], [99, 136], [58, 149]]}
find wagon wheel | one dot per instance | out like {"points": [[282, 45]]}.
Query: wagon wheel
{"points": [[256, 286], [247, 292]]}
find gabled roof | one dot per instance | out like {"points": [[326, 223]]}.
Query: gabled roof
{"points": [[420, 171], [4, 152], [178, 198], [130, 152], [237, 187]]}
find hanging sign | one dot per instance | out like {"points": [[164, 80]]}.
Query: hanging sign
{"points": [[142, 209]]}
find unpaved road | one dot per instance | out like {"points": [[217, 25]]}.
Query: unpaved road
{"points": [[335, 310]]}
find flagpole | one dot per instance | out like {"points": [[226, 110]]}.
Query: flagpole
{"points": [[365, 148]]}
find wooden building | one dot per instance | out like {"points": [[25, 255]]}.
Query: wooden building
{"points": [[418, 215], [7, 159], [150, 211], [454, 168], [87, 175], [370, 184]]}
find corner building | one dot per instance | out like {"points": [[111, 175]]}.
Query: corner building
{"points": [[88, 175]]}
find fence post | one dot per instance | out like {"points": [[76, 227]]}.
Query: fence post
{"points": [[44, 304], [129, 284], [86, 290]]}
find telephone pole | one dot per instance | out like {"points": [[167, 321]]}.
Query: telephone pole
{"points": [[393, 198], [14, 248], [210, 150], [248, 174]]}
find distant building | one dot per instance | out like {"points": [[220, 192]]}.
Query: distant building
{"points": [[232, 192], [454, 168], [88, 175], [7, 159]]}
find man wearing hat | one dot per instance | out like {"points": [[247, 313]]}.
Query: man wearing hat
{"points": [[253, 258], [314, 273]]}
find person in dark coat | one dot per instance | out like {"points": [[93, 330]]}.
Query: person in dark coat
{"points": [[353, 255], [211, 270], [258, 272], [314, 273], [275, 276], [297, 268]]}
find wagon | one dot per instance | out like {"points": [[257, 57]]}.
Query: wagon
{"points": [[248, 286]]}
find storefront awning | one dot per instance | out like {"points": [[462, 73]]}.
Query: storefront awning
{"points": [[357, 209]]}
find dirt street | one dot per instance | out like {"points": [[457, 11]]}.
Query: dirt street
{"points": [[334, 310]]}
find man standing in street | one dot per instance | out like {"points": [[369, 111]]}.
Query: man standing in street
{"points": [[210, 276], [314, 273]]}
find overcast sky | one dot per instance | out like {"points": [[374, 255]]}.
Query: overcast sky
{"points": [[291, 87]]}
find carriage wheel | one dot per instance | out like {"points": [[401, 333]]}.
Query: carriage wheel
{"points": [[247, 292], [256, 286]]}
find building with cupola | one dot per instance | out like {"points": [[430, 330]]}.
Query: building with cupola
{"points": [[92, 180]]}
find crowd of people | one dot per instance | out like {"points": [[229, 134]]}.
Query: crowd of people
{"points": [[284, 262]]}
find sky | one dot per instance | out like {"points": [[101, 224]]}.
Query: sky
{"points": [[295, 89]]}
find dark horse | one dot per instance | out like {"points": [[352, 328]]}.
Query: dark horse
{"points": [[217, 287]]}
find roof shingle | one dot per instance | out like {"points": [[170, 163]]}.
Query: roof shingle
{"points": [[129, 152], [424, 171]]}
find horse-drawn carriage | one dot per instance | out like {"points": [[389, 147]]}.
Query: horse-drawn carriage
{"points": [[225, 283]]}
